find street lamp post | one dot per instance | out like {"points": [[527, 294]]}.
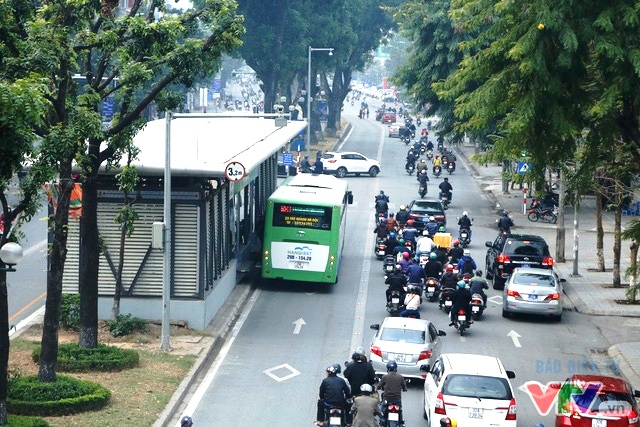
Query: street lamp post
{"points": [[308, 134]]}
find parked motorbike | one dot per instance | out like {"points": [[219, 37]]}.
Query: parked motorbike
{"points": [[431, 290], [389, 264], [422, 190], [451, 167], [477, 306], [380, 248], [444, 201], [537, 212], [410, 167], [464, 237], [394, 306], [446, 299], [437, 171], [461, 321]]}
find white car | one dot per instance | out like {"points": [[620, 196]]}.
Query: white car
{"points": [[473, 389], [341, 164]]}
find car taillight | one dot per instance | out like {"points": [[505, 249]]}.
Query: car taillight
{"points": [[424, 355], [548, 261], [633, 417], [413, 216], [332, 161], [502, 258], [513, 293], [552, 296], [439, 404], [511, 412], [376, 350]]}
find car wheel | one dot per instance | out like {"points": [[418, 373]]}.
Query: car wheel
{"points": [[341, 172], [374, 171], [505, 314]]}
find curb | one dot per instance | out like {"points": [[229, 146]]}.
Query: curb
{"points": [[472, 168], [624, 365]]}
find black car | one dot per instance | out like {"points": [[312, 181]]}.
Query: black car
{"points": [[509, 251], [421, 210]]}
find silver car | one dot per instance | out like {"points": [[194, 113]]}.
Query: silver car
{"points": [[533, 291], [409, 342]]}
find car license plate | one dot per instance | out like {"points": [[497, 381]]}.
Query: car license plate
{"points": [[475, 309], [394, 416], [448, 303], [395, 300], [299, 265], [598, 423], [526, 265], [475, 413], [398, 357], [425, 218], [335, 421], [431, 289], [533, 297], [462, 318]]}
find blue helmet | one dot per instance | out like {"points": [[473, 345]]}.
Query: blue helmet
{"points": [[462, 284], [392, 235], [186, 421]]}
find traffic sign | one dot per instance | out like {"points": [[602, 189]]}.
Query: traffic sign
{"points": [[287, 158], [523, 168], [235, 171]]}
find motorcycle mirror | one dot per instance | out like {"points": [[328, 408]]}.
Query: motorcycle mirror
{"points": [[441, 333], [511, 375], [424, 368], [375, 326]]}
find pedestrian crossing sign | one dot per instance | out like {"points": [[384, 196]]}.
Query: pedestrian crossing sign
{"points": [[523, 168]]}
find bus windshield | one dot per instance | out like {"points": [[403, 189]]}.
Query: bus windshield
{"points": [[301, 216]]}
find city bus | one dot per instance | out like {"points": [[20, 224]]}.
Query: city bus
{"points": [[304, 229]]}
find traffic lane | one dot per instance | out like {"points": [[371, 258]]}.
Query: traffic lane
{"points": [[366, 138]]}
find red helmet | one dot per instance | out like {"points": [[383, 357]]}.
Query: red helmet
{"points": [[456, 242], [405, 255], [410, 222], [449, 267]]}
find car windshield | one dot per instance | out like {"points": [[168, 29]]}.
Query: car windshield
{"points": [[533, 279], [411, 336], [526, 248], [426, 206], [477, 386]]}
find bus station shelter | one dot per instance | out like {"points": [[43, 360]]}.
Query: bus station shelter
{"points": [[223, 169]]}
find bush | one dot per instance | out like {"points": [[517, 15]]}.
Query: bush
{"points": [[28, 396], [70, 311], [23, 421], [125, 324], [72, 358]]}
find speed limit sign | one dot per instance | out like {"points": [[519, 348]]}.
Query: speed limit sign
{"points": [[234, 171]]}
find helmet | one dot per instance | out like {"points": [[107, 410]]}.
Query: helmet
{"points": [[401, 241], [479, 273], [422, 161], [466, 252], [405, 255], [423, 172], [461, 284], [432, 218], [433, 255], [437, 155], [383, 220], [456, 243], [397, 268], [366, 388], [381, 192], [391, 214], [355, 356], [392, 366], [449, 267], [442, 229], [186, 421], [392, 235], [446, 178], [466, 277], [464, 213], [337, 367], [448, 422], [331, 370], [402, 207], [410, 222], [425, 232], [360, 351]]}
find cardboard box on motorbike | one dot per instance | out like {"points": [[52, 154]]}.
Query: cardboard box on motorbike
{"points": [[443, 240]]}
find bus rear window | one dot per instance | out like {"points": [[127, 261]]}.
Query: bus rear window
{"points": [[301, 216]]}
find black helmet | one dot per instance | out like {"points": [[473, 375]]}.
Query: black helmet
{"points": [[392, 366], [337, 367], [186, 421], [479, 273], [331, 370]]}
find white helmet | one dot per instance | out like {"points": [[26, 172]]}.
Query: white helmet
{"points": [[466, 252], [464, 213], [366, 388], [425, 232], [432, 218]]}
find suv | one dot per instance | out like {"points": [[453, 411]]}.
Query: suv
{"points": [[340, 164], [509, 251], [471, 388]]}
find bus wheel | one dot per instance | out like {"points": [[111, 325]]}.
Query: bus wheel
{"points": [[374, 171], [341, 172]]}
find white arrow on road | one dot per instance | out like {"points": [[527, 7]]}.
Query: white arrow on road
{"points": [[514, 337], [298, 324]]}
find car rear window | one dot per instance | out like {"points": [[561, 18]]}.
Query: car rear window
{"points": [[427, 206], [526, 248], [543, 280], [477, 386], [410, 336], [328, 156]]}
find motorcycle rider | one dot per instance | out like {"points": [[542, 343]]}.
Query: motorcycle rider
{"points": [[464, 222], [186, 421], [390, 244], [422, 166], [397, 282], [383, 196], [381, 229], [382, 206], [423, 179], [456, 252], [412, 302], [461, 300], [359, 372], [392, 224], [450, 422], [401, 248], [424, 245], [505, 222], [305, 165], [411, 160], [433, 267], [429, 145], [432, 226], [402, 216], [477, 285], [409, 233], [392, 385], [445, 188], [449, 279], [437, 161], [334, 391], [466, 265], [365, 408], [405, 262]]}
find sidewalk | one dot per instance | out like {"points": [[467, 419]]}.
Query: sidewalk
{"points": [[590, 291]]}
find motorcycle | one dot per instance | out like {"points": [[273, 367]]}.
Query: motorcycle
{"points": [[406, 139], [394, 306], [392, 415], [410, 167], [424, 258], [444, 201], [451, 168], [446, 299], [429, 154], [380, 249], [464, 237], [333, 416], [437, 170], [477, 306], [461, 322], [537, 212], [423, 149], [503, 230], [422, 190], [389, 264], [431, 291]]}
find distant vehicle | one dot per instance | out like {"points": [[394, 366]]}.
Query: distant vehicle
{"points": [[388, 117], [421, 210], [304, 229], [410, 342], [341, 164], [394, 130], [509, 251], [533, 291], [613, 405], [473, 389]]}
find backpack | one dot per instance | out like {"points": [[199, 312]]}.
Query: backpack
{"points": [[467, 267]]}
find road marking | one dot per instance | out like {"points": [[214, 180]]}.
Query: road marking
{"points": [[293, 372], [496, 299], [514, 337], [298, 326], [211, 374], [339, 147], [35, 247], [23, 309], [27, 321]]}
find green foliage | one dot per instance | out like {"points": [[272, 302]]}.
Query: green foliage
{"points": [[29, 396], [125, 324], [25, 421], [72, 358], [70, 311]]}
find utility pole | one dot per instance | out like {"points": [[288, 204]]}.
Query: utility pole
{"points": [[560, 230]]}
